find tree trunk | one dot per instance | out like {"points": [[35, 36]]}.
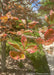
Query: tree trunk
{"points": [[3, 43], [3, 55]]}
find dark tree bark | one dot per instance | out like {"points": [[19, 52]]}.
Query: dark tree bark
{"points": [[3, 43], [3, 55]]}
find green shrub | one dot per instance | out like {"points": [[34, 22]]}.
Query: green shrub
{"points": [[39, 62]]}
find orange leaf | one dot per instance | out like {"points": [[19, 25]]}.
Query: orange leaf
{"points": [[4, 19], [15, 46], [12, 32], [16, 55]]}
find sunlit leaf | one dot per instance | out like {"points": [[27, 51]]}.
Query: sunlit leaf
{"points": [[22, 56]]}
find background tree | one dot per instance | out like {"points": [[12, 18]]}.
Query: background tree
{"points": [[46, 6]]}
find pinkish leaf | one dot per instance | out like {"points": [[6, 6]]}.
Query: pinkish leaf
{"points": [[32, 49], [24, 41]]}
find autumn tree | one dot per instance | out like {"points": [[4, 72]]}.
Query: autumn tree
{"points": [[13, 13]]}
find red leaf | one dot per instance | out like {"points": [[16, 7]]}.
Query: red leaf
{"points": [[49, 34], [49, 41], [39, 40]]}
